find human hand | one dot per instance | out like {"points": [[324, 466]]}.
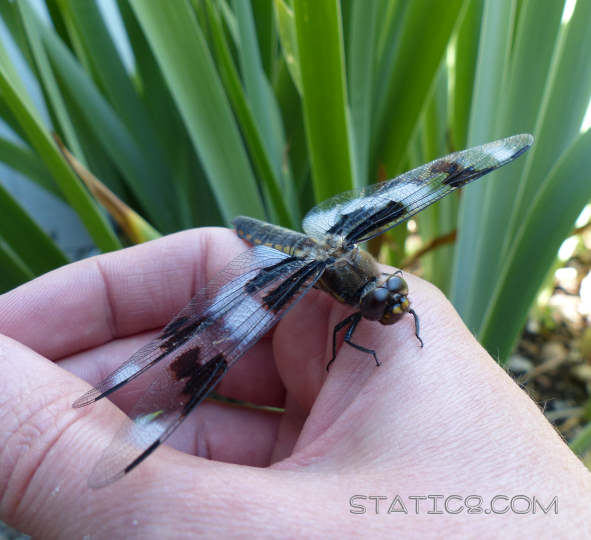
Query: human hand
{"points": [[442, 420]]}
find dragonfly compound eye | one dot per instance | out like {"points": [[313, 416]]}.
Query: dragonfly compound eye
{"points": [[397, 285], [374, 303]]}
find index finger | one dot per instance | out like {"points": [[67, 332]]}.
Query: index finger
{"points": [[93, 301]]}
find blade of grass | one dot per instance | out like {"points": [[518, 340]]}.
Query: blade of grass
{"points": [[229, 19], [361, 72], [518, 111], [387, 39], [440, 218], [257, 88], [194, 198], [55, 14], [582, 442], [14, 271], [17, 83], [135, 227], [186, 63], [47, 79], [465, 57], [10, 15], [153, 193], [26, 239], [74, 193], [11, 121], [265, 33], [289, 40], [290, 105], [542, 230], [415, 58], [246, 117], [25, 161], [65, 117], [108, 67], [322, 67], [63, 114], [493, 55], [567, 94]]}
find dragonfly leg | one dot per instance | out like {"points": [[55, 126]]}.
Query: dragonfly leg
{"points": [[352, 321], [416, 318], [397, 273]]}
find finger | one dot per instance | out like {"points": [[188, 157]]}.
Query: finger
{"points": [[48, 448], [90, 302], [41, 451], [354, 373], [253, 378]]}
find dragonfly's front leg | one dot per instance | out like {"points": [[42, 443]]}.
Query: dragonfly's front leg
{"points": [[353, 321], [416, 318]]}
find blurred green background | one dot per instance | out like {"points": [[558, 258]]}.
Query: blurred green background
{"points": [[193, 112]]}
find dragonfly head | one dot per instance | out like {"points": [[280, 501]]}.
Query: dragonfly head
{"points": [[387, 302]]}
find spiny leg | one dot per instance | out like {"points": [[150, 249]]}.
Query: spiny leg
{"points": [[336, 329], [416, 318], [354, 320], [361, 348]]}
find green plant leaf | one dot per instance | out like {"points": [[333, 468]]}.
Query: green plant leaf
{"points": [[290, 104], [14, 271], [566, 98], [413, 64], [25, 161], [250, 129], [289, 40], [27, 240], [493, 55], [465, 58], [108, 67], [256, 85], [190, 73], [498, 213], [582, 442], [263, 13], [440, 218], [194, 198], [361, 72], [534, 248], [324, 92], [143, 176], [16, 99], [518, 110], [50, 85]]}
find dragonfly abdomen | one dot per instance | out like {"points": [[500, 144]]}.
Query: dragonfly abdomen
{"points": [[266, 234]]}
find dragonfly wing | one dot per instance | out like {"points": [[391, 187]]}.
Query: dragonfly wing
{"points": [[184, 324], [197, 347], [362, 214]]}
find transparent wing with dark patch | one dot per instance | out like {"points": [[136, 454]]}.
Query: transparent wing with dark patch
{"points": [[195, 350], [359, 215]]}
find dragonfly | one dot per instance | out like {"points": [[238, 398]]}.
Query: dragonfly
{"points": [[195, 350]]}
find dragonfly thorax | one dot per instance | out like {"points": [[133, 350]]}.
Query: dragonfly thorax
{"points": [[386, 302]]}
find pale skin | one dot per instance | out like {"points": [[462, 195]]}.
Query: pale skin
{"points": [[442, 420]]}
